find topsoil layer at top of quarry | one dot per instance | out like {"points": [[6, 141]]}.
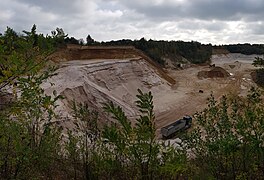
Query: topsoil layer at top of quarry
{"points": [[96, 81], [76, 52]]}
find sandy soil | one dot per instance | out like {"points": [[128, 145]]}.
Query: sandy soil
{"points": [[102, 80], [187, 100]]}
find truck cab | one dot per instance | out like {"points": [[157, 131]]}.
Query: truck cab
{"points": [[188, 120]]}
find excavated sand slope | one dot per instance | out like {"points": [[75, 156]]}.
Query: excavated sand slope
{"points": [[100, 81]]}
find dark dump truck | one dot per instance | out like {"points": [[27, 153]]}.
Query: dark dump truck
{"points": [[181, 124]]}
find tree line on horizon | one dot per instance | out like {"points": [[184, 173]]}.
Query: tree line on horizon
{"points": [[159, 50], [177, 51], [195, 52]]}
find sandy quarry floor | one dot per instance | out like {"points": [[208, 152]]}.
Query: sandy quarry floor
{"points": [[187, 100], [98, 81]]}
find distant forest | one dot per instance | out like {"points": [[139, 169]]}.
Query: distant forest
{"points": [[247, 49], [194, 52]]}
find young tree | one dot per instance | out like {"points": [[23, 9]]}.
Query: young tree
{"points": [[28, 140], [22, 54], [89, 40], [258, 62], [87, 127], [134, 146]]}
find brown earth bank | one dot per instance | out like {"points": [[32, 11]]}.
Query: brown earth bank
{"points": [[76, 52], [214, 72], [96, 75]]}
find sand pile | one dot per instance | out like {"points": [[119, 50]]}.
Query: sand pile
{"points": [[215, 72]]}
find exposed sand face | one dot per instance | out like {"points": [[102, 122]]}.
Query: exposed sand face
{"points": [[99, 81]]}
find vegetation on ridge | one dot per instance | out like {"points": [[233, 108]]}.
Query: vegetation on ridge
{"points": [[177, 51]]}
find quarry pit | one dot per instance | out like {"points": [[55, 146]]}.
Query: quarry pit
{"points": [[116, 74]]}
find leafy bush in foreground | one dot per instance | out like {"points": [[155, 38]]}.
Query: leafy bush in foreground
{"points": [[228, 140]]}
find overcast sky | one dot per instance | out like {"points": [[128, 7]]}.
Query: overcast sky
{"points": [[206, 21]]}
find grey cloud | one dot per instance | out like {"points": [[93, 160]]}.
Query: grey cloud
{"points": [[256, 28], [217, 21], [56, 6], [208, 25], [199, 9]]}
